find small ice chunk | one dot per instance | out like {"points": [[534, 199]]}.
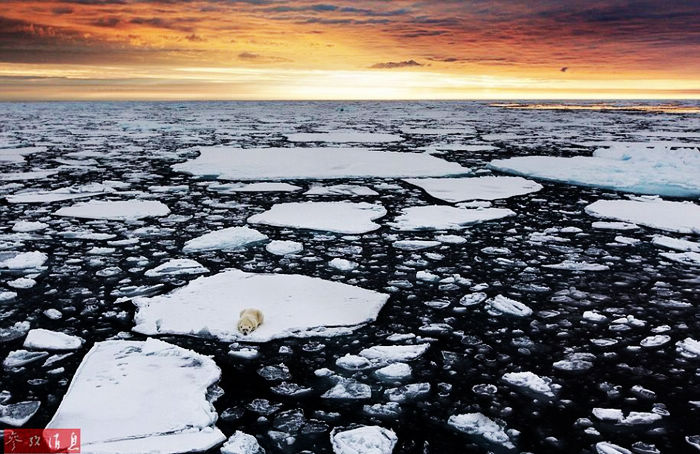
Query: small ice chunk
{"points": [[501, 305], [686, 258], [482, 426], [405, 393], [472, 299], [353, 362], [22, 283], [176, 267], [348, 389], [395, 371], [363, 440], [23, 260], [604, 447], [675, 243], [241, 443], [572, 265], [342, 264], [386, 354], [254, 187], [415, 245], [283, 247], [19, 358], [655, 341], [18, 414], [688, 348], [43, 339], [344, 136], [228, 239], [606, 225], [27, 226], [531, 382]]}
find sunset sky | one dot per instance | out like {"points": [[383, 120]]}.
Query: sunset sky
{"points": [[341, 49]]}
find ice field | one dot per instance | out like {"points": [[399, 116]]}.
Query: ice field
{"points": [[435, 277]]}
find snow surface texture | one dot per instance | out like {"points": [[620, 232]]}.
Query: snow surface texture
{"points": [[636, 169], [338, 217], [123, 210], [293, 306], [313, 163], [479, 188], [681, 217], [135, 397]]}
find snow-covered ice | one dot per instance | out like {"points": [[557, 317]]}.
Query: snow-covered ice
{"points": [[43, 339], [338, 217], [176, 267], [293, 306], [228, 163], [284, 247], [638, 170], [443, 217], [135, 397], [455, 190], [121, 210], [23, 260], [482, 426], [364, 440], [681, 217], [228, 239]]}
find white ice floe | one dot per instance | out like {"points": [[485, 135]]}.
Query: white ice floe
{"points": [[28, 226], [76, 192], [228, 163], [241, 443], [284, 247], [480, 425], [395, 371], [23, 260], [479, 188], [675, 243], [644, 171], [688, 348], [344, 136], [342, 264], [228, 239], [387, 354], [121, 210], [348, 389], [254, 187], [572, 265], [604, 447], [176, 267], [415, 245], [136, 397], [43, 339], [472, 299], [293, 306], [682, 217], [634, 418], [530, 382], [17, 155], [655, 341], [686, 258], [501, 305], [442, 217], [363, 440], [349, 190], [339, 217], [17, 414], [25, 176], [606, 225]]}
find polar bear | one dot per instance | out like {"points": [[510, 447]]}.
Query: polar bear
{"points": [[249, 320]]}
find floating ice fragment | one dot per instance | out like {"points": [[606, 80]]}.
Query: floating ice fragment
{"points": [[350, 190], [442, 217], [122, 210], [241, 443], [688, 348], [18, 414], [482, 426], [682, 217], [530, 382], [572, 265], [363, 440], [23, 260], [501, 305], [228, 239], [43, 339], [283, 247], [339, 217], [348, 389], [176, 267], [455, 190], [386, 354]]}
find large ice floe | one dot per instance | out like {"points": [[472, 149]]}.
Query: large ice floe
{"points": [[478, 188], [229, 239], [228, 163], [681, 217], [364, 440], [338, 217], [136, 397], [76, 192], [293, 306], [636, 169], [120, 210], [442, 217]]}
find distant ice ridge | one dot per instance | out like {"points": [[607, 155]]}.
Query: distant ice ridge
{"points": [[227, 163], [118, 399], [681, 217], [293, 306], [344, 136], [625, 167], [338, 217], [478, 188]]}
